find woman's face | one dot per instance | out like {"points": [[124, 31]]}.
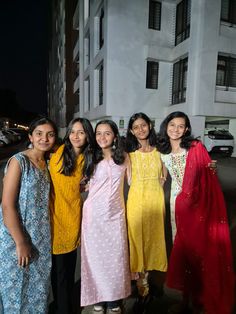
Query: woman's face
{"points": [[105, 136], [43, 137], [176, 128], [140, 129], [77, 136]]}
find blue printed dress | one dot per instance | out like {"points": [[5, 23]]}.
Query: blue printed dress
{"points": [[26, 290]]}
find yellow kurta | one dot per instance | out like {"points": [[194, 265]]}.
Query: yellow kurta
{"points": [[145, 213], [65, 205]]}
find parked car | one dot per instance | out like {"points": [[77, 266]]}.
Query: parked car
{"points": [[17, 136], [9, 135], [21, 132], [219, 141], [4, 140]]}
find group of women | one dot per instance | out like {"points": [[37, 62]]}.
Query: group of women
{"points": [[118, 241]]}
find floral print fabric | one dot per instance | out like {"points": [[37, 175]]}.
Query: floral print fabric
{"points": [[25, 290]]}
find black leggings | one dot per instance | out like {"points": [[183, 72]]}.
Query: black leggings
{"points": [[63, 279]]}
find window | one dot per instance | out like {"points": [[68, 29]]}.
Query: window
{"points": [[87, 95], [76, 101], [179, 84], [154, 21], [86, 51], [101, 29], [98, 30], [226, 71], [182, 26], [100, 84], [76, 70], [152, 74], [86, 11], [228, 11]]}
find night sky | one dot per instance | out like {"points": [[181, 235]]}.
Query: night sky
{"points": [[24, 51]]}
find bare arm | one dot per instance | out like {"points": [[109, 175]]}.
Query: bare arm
{"points": [[128, 169], [164, 174], [11, 185]]}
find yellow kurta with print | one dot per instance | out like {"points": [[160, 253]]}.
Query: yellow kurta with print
{"points": [[146, 213], [65, 205]]}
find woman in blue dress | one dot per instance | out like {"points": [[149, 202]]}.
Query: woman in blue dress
{"points": [[25, 244]]}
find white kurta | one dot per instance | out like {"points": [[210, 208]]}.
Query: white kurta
{"points": [[175, 163], [105, 274]]}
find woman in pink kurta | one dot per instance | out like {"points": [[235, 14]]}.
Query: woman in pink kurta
{"points": [[105, 274]]}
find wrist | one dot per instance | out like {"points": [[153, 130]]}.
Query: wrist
{"points": [[21, 242]]}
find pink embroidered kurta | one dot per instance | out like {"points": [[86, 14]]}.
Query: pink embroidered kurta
{"points": [[105, 274]]}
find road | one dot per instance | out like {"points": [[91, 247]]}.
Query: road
{"points": [[7, 151]]}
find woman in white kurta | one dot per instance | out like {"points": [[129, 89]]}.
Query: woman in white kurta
{"points": [[175, 163], [105, 274]]}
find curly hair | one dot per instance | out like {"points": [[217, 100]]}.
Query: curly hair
{"points": [[118, 153], [68, 155], [163, 141], [132, 143]]}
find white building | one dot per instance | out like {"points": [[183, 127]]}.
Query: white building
{"points": [[156, 57]]}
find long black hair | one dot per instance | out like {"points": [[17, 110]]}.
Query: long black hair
{"points": [[69, 157], [163, 141], [118, 153], [132, 143]]}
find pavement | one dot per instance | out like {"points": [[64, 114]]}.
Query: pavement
{"points": [[159, 303]]}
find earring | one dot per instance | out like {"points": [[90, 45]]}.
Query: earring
{"points": [[114, 145]]}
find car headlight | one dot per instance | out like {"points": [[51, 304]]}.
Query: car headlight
{"points": [[211, 136]]}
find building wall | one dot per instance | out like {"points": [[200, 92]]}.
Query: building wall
{"points": [[132, 42], [129, 44], [56, 78], [70, 65]]}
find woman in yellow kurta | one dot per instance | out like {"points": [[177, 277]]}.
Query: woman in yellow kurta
{"points": [[145, 205], [68, 165]]}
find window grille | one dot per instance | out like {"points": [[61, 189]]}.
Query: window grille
{"points": [[226, 71], [179, 83], [154, 21], [182, 26], [152, 74]]}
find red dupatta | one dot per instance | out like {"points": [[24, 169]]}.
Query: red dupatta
{"points": [[201, 259]]}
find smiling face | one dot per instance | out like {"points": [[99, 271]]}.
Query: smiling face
{"points": [[43, 137], [176, 128], [105, 136], [77, 136], [140, 129]]}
